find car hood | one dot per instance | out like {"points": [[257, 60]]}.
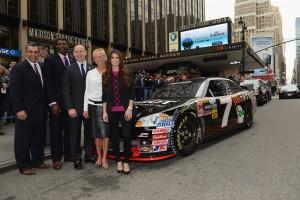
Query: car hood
{"points": [[152, 106]]}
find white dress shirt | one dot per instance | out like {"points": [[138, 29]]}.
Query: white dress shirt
{"points": [[93, 88], [38, 68], [84, 66]]}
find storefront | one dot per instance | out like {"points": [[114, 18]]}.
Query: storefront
{"points": [[9, 45]]}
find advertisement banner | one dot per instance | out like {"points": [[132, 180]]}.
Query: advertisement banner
{"points": [[173, 41], [259, 43], [204, 37]]}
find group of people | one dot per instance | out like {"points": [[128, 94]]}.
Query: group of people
{"points": [[71, 92]]}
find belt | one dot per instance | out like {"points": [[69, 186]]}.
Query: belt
{"points": [[95, 102]]}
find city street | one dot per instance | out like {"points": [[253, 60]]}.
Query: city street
{"points": [[262, 163]]}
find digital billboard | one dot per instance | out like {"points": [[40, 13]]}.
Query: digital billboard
{"points": [[204, 37]]}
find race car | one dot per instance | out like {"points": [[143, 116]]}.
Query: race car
{"points": [[181, 115]]}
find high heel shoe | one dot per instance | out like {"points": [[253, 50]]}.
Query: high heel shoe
{"points": [[120, 167]]}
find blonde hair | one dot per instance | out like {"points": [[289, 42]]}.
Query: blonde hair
{"points": [[100, 50]]}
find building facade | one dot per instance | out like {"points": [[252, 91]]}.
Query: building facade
{"points": [[135, 27], [297, 60], [262, 20]]}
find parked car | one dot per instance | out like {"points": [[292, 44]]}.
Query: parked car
{"points": [[181, 115], [289, 91], [260, 89]]}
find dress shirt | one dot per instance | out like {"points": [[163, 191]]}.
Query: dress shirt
{"points": [[38, 68], [84, 66], [63, 57], [93, 88]]}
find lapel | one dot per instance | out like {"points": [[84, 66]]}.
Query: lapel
{"points": [[60, 62], [77, 69], [33, 74]]}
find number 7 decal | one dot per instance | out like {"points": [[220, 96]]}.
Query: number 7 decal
{"points": [[228, 102]]}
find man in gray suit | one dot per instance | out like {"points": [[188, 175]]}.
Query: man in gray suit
{"points": [[73, 95]]}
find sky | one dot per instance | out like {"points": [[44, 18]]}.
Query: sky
{"points": [[289, 11]]}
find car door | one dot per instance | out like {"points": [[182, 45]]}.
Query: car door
{"points": [[216, 107], [236, 110]]}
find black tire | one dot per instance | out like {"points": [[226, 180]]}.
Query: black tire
{"points": [[186, 134], [248, 118]]}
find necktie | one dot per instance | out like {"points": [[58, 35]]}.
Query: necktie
{"points": [[66, 61], [37, 71], [82, 70]]}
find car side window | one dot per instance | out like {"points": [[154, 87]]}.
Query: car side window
{"points": [[232, 87], [216, 88]]}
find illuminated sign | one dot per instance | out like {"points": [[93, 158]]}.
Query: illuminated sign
{"points": [[173, 41], [10, 52], [204, 37]]}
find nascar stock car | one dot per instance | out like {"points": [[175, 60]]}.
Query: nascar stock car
{"points": [[181, 115]]}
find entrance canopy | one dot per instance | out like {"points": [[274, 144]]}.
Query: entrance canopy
{"points": [[215, 58]]}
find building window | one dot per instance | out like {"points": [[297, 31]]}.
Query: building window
{"points": [[43, 12], [100, 19], [170, 15], [120, 22], [161, 31], [75, 16], [10, 7], [136, 23], [149, 26]]}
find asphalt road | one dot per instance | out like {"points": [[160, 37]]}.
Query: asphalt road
{"points": [[262, 163]]}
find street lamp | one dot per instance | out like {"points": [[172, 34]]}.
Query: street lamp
{"points": [[244, 27]]}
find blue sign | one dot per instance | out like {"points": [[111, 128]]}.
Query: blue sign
{"points": [[10, 52]]}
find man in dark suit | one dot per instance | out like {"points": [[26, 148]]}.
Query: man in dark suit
{"points": [[157, 82], [28, 99], [55, 67], [73, 93]]}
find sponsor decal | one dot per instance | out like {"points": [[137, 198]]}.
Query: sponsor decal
{"points": [[200, 110], [159, 148], [160, 136], [143, 135], [146, 149], [214, 113], [212, 100], [160, 130], [159, 142], [164, 123], [163, 116], [240, 113]]}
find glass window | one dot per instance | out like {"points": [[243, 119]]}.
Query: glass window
{"points": [[75, 16], [232, 87], [216, 88], [43, 12], [100, 19], [120, 22]]}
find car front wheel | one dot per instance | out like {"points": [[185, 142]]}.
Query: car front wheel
{"points": [[186, 134]]}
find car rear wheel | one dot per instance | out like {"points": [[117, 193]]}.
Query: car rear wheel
{"points": [[186, 134], [248, 117]]}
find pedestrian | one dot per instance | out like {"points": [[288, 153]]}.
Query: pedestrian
{"points": [[28, 98], [73, 95], [9, 110], [55, 67], [3, 88], [92, 108], [118, 99]]}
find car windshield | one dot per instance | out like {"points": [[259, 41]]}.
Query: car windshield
{"points": [[255, 83], [187, 89], [289, 87]]}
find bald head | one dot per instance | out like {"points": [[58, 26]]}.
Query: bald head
{"points": [[79, 53]]}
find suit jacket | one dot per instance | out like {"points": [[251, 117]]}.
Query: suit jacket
{"points": [[74, 87], [27, 92], [55, 69], [126, 94]]}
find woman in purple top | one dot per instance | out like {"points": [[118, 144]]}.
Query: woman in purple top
{"points": [[118, 96]]}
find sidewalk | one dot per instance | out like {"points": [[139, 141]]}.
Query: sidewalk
{"points": [[7, 156]]}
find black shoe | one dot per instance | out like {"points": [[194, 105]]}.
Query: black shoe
{"points": [[78, 165], [90, 160]]}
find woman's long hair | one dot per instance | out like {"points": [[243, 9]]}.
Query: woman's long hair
{"points": [[123, 72]]}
